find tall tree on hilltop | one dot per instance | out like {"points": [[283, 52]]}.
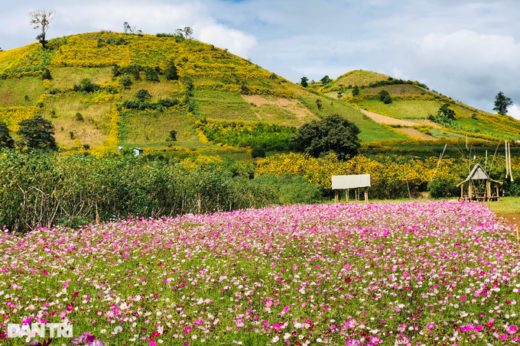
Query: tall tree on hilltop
{"points": [[304, 83], [36, 133], [502, 103], [41, 19], [5, 138], [188, 32]]}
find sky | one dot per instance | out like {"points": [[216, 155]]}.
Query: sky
{"points": [[468, 50]]}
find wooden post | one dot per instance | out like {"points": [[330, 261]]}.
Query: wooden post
{"points": [[347, 193], [488, 189], [470, 191], [498, 193], [366, 194], [97, 218], [336, 196], [462, 191]]}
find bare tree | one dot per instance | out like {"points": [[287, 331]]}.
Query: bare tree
{"points": [[41, 19], [188, 32]]}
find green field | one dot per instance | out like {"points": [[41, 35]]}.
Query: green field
{"points": [[223, 105], [402, 109], [23, 92]]}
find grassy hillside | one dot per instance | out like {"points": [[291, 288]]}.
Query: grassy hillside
{"points": [[213, 84], [216, 97]]}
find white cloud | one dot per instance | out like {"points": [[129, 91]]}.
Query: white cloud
{"points": [[514, 111], [235, 41]]}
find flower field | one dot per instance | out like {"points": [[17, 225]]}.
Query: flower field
{"points": [[435, 273]]}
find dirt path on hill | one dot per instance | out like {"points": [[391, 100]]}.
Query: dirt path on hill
{"points": [[383, 119], [300, 111], [410, 131]]}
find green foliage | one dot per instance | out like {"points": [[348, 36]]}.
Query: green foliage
{"points": [[502, 103], [292, 189], [319, 104], [326, 80], [171, 71], [47, 189], [143, 105], [125, 82], [36, 133], [46, 74], [355, 91], [73, 222], [253, 135], [6, 142], [143, 95], [387, 100], [441, 188], [305, 82], [258, 153], [173, 135], [383, 94], [151, 75], [446, 112], [333, 134], [79, 117], [87, 86]]}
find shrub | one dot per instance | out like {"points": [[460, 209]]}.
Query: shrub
{"points": [[143, 95], [6, 141], [79, 117], [383, 94], [355, 91], [125, 82], [319, 104], [258, 152], [171, 71], [87, 86], [173, 135], [46, 75], [151, 75], [387, 100]]}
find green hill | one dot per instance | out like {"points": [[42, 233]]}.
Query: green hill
{"points": [[218, 102]]}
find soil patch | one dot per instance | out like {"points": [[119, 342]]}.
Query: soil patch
{"points": [[383, 119], [302, 114]]}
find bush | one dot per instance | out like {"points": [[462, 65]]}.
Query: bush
{"points": [[47, 189], [143, 95], [173, 135], [79, 117], [125, 82], [258, 153], [87, 86], [387, 100], [46, 74], [171, 71], [151, 75], [355, 91]]}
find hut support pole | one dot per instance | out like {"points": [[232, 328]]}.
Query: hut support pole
{"points": [[488, 189], [336, 196], [470, 191], [462, 191], [347, 193], [366, 194]]}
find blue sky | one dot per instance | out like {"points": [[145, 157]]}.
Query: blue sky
{"points": [[466, 49]]}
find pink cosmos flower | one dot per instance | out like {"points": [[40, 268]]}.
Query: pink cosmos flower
{"points": [[512, 329]]}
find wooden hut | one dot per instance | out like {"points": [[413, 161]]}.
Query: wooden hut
{"points": [[478, 173]]}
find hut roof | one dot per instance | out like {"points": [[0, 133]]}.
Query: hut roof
{"points": [[478, 173]]}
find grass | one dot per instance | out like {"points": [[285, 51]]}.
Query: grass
{"points": [[402, 109], [147, 128], [359, 78], [506, 205], [13, 91], [370, 130], [92, 131], [223, 105], [399, 89], [162, 89], [484, 127], [68, 76]]}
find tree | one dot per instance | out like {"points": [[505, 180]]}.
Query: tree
{"points": [[355, 91], [304, 83], [319, 104], [36, 133], [333, 134], [387, 100], [143, 95], [502, 103], [326, 80], [173, 135], [41, 19], [383, 94], [171, 71], [188, 32], [258, 153], [128, 29], [151, 75], [446, 111], [125, 82], [6, 141], [46, 74]]}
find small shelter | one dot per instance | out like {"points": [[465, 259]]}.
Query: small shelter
{"points": [[478, 173], [138, 152], [347, 182]]}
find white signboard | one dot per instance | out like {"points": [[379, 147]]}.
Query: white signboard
{"points": [[343, 182]]}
